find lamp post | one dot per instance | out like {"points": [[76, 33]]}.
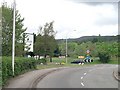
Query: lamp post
{"points": [[13, 42], [67, 46], [66, 49]]}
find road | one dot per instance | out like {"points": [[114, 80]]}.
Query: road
{"points": [[93, 76], [98, 76]]}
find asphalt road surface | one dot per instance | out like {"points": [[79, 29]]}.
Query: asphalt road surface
{"points": [[93, 76], [98, 76]]}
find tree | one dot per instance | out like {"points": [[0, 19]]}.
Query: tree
{"points": [[56, 52], [62, 47], [104, 56], [45, 41], [71, 48], [95, 40], [7, 31]]}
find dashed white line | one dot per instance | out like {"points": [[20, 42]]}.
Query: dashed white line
{"points": [[82, 84], [81, 77], [85, 73]]}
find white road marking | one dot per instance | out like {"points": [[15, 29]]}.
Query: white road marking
{"points": [[82, 84], [81, 77], [85, 73]]}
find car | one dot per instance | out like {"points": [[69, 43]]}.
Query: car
{"points": [[77, 62]]}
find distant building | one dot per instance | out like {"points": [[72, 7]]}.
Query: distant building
{"points": [[61, 56], [29, 43]]}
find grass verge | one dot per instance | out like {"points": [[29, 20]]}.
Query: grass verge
{"points": [[56, 63]]}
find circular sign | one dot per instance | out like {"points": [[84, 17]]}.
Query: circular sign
{"points": [[88, 51]]}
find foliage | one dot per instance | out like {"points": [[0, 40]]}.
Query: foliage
{"points": [[45, 42], [95, 40], [57, 52], [21, 65], [7, 31], [44, 61], [62, 47], [104, 56], [75, 49]]}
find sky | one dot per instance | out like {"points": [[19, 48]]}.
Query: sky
{"points": [[72, 18]]}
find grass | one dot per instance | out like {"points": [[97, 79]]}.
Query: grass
{"points": [[113, 62], [56, 63], [69, 60], [48, 66]]}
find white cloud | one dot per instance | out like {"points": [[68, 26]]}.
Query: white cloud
{"points": [[68, 16]]}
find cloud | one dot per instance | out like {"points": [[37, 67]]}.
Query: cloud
{"points": [[95, 2], [106, 15], [86, 19], [106, 21]]}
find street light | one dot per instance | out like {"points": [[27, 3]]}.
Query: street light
{"points": [[13, 42], [67, 47]]}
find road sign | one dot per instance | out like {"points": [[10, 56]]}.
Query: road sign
{"points": [[81, 57], [88, 51]]}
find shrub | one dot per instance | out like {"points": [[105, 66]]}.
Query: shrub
{"points": [[39, 61], [104, 57], [22, 65]]}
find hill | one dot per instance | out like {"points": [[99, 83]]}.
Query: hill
{"points": [[91, 38]]}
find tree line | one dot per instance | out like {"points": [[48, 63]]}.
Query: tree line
{"points": [[97, 49], [44, 42], [7, 32]]}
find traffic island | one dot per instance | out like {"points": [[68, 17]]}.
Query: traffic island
{"points": [[116, 75]]}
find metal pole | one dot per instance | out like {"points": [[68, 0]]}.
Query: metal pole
{"points": [[66, 49], [13, 45], [33, 42]]}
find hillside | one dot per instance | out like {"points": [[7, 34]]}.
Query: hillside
{"points": [[92, 38]]}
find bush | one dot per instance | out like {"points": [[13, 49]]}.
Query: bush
{"points": [[22, 65], [104, 57], [39, 61]]}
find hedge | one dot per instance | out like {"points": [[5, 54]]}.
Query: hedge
{"points": [[104, 56], [22, 65]]}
